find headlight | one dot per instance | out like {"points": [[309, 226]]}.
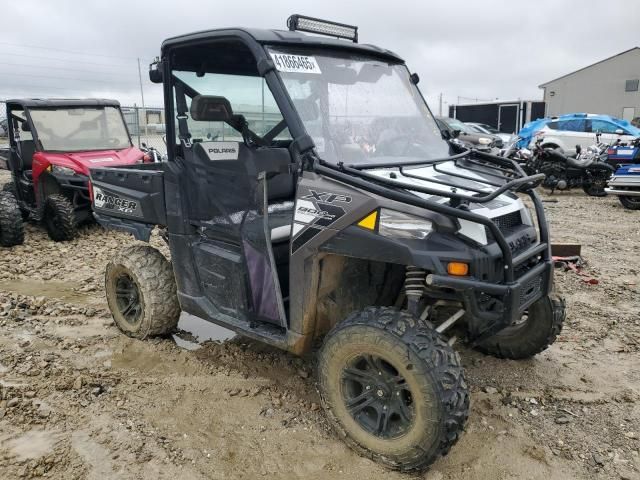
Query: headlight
{"points": [[402, 225], [62, 170], [484, 141]]}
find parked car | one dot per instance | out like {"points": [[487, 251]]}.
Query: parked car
{"points": [[466, 134], [567, 131], [489, 130], [636, 122]]}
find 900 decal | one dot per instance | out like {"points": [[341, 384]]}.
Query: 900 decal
{"points": [[113, 202]]}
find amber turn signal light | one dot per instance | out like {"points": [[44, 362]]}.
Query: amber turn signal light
{"points": [[369, 222], [458, 268]]}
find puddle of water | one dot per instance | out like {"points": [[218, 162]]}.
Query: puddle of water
{"points": [[201, 330], [51, 289]]}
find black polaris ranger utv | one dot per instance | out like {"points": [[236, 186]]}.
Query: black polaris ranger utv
{"points": [[309, 195]]}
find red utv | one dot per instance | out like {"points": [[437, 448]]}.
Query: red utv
{"points": [[53, 143]]}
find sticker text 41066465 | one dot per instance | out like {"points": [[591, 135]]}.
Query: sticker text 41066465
{"points": [[295, 63]]}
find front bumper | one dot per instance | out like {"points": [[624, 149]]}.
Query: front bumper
{"points": [[492, 306]]}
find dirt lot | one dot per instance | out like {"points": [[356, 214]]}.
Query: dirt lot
{"points": [[80, 400]]}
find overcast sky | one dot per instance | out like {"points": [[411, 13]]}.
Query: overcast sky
{"points": [[469, 49]]}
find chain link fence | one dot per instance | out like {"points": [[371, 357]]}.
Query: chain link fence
{"points": [[146, 126]]}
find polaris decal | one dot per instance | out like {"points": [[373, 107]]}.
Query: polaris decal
{"points": [[295, 63], [221, 150], [113, 202]]}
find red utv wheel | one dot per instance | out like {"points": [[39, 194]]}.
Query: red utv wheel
{"points": [[59, 218], [11, 227]]}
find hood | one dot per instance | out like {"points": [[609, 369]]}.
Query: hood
{"points": [[81, 162], [504, 204]]}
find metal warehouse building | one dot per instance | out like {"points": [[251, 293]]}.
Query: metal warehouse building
{"points": [[609, 87]]}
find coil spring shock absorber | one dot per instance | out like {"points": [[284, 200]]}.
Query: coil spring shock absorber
{"points": [[414, 286]]}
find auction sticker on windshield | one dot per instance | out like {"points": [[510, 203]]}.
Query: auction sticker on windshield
{"points": [[295, 63]]}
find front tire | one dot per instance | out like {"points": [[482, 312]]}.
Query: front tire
{"points": [[393, 389], [632, 203], [59, 218], [531, 334], [11, 225], [141, 292]]}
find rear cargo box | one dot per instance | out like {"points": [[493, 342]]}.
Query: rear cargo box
{"points": [[131, 193]]}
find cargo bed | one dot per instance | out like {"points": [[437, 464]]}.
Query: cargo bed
{"points": [[129, 198]]}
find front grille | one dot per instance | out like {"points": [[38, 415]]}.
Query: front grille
{"points": [[508, 222]]}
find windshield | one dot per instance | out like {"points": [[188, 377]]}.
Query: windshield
{"points": [[79, 129], [359, 110]]}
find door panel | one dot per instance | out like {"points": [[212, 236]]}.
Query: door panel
{"points": [[508, 118]]}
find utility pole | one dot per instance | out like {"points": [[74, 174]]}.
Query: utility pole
{"points": [[142, 95], [440, 104]]}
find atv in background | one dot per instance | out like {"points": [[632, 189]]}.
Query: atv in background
{"points": [[52, 144], [344, 217]]}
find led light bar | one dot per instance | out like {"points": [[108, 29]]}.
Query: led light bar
{"points": [[323, 27]]}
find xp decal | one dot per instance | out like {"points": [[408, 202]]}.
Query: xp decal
{"points": [[313, 213]]}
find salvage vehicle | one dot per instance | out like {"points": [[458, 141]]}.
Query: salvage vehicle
{"points": [[52, 144], [345, 220], [626, 185], [469, 136], [587, 170], [566, 131]]}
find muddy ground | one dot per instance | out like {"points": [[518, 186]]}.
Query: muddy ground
{"points": [[80, 400]]}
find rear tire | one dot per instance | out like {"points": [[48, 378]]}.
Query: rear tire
{"points": [[59, 218], [141, 292], [393, 389], [11, 225], [532, 335], [632, 203]]}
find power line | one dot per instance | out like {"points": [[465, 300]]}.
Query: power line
{"points": [[66, 78], [75, 52], [58, 68], [68, 60]]}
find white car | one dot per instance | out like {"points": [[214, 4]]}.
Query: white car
{"points": [[565, 133]]}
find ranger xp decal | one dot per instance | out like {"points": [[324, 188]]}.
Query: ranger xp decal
{"points": [[113, 202]]}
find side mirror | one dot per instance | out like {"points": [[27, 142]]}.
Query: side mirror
{"points": [[415, 78], [456, 133], [578, 149], [25, 127], [144, 145], [210, 108], [619, 131], [155, 72]]}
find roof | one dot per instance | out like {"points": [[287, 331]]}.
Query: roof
{"points": [[64, 102], [542, 85], [282, 37]]}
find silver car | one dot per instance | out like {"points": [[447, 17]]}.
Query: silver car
{"points": [[488, 129]]}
